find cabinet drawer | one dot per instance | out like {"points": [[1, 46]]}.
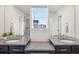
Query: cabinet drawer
{"points": [[3, 49], [63, 49], [16, 49], [75, 49]]}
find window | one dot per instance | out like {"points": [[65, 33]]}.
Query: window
{"points": [[40, 17]]}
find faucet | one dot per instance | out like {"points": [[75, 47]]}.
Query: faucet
{"points": [[61, 37]]}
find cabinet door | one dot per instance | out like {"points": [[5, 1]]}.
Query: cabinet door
{"points": [[63, 49], [16, 49], [75, 49], [3, 49]]}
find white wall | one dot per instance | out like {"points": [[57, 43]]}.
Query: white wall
{"points": [[67, 13], [39, 34], [77, 21], [11, 15], [53, 24], [1, 19]]}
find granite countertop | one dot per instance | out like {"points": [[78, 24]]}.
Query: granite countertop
{"points": [[39, 46], [22, 41], [18, 42], [58, 42]]}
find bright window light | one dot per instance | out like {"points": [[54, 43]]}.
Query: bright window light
{"points": [[40, 17]]}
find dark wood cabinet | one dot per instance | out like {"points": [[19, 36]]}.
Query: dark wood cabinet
{"points": [[3, 49], [20, 49], [16, 49], [75, 49], [62, 49]]}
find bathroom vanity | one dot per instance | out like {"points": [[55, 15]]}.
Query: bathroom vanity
{"points": [[13, 46], [17, 47], [53, 46], [11, 49], [65, 47]]}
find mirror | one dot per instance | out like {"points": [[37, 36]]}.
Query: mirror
{"points": [[65, 19], [67, 22], [12, 21], [62, 21]]}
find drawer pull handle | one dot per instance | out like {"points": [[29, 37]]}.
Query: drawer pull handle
{"points": [[63, 49], [16, 49]]}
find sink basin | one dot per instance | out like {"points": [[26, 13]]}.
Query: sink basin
{"points": [[12, 41], [67, 41]]}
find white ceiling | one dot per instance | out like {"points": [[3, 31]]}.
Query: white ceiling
{"points": [[26, 8]]}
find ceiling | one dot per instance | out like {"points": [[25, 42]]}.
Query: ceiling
{"points": [[26, 8]]}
